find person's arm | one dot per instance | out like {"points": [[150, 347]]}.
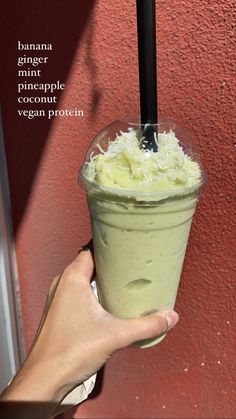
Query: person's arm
{"points": [[76, 337]]}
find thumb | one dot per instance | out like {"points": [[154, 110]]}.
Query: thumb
{"points": [[147, 327]]}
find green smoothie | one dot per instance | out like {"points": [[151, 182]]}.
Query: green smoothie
{"points": [[141, 205]]}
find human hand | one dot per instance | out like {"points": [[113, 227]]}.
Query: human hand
{"points": [[76, 337]]}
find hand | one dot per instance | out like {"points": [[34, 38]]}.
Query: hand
{"points": [[76, 337]]}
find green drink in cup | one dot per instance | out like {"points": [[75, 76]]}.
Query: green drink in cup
{"points": [[141, 207]]}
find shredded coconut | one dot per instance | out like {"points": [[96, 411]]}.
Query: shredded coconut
{"points": [[126, 165]]}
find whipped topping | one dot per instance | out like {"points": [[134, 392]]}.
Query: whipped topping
{"points": [[124, 165]]}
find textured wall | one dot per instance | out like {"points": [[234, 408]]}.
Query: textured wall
{"points": [[192, 373]]}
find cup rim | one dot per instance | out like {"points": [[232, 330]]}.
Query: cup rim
{"points": [[139, 194]]}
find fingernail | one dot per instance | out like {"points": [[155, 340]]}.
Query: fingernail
{"points": [[88, 246], [171, 317]]}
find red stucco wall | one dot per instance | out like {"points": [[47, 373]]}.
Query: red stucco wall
{"points": [[192, 373]]}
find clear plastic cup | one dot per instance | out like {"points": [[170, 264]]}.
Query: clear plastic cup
{"points": [[139, 238]]}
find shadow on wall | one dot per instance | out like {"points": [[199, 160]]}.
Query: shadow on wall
{"points": [[55, 22], [93, 71]]}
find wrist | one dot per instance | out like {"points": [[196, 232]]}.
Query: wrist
{"points": [[35, 384]]}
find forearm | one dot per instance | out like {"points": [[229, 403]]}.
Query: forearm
{"points": [[34, 393]]}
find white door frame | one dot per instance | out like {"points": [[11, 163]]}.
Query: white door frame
{"points": [[11, 338]]}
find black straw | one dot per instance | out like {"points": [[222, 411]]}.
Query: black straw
{"points": [[146, 20]]}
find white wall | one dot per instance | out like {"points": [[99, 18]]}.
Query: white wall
{"points": [[11, 342]]}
